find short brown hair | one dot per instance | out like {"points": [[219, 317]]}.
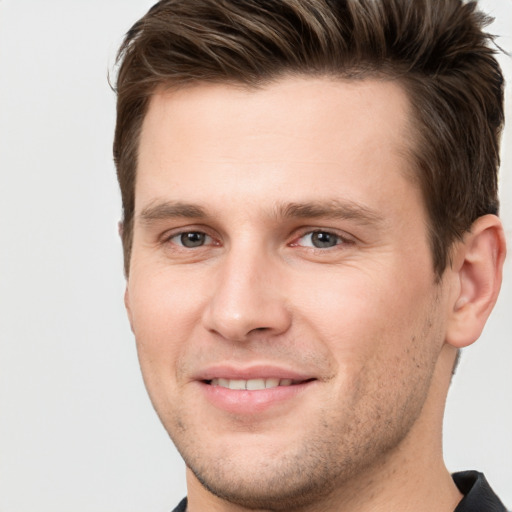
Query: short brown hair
{"points": [[436, 49]]}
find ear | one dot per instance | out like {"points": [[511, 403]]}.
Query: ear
{"points": [[477, 270], [120, 228], [127, 306]]}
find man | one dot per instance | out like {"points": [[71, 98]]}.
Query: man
{"points": [[310, 234]]}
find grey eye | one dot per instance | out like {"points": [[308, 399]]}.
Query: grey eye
{"points": [[323, 239], [320, 240], [192, 239]]}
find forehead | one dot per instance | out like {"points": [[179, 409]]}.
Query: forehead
{"points": [[298, 136]]}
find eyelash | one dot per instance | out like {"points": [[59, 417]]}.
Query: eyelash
{"points": [[181, 234], [209, 240], [339, 239]]}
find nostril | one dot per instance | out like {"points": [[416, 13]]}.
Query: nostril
{"points": [[256, 330]]}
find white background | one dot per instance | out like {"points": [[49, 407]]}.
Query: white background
{"points": [[77, 432]]}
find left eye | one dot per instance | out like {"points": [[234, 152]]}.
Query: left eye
{"points": [[191, 239], [320, 240]]}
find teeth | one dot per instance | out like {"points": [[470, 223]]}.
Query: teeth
{"points": [[271, 383], [222, 382], [251, 384], [237, 384], [255, 384]]}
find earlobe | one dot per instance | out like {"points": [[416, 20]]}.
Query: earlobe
{"points": [[477, 264]]}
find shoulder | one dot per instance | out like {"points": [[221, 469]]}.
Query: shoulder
{"points": [[478, 495], [182, 507]]}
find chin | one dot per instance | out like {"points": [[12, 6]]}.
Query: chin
{"points": [[265, 487], [287, 477]]}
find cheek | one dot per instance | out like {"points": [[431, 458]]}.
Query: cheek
{"points": [[165, 310], [355, 302], [367, 321]]}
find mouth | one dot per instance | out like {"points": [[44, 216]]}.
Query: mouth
{"points": [[254, 391], [257, 384]]}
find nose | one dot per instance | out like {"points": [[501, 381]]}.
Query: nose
{"points": [[247, 298]]}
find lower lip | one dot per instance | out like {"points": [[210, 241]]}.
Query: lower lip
{"points": [[251, 402]]}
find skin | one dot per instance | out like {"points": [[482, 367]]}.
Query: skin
{"points": [[363, 322]]}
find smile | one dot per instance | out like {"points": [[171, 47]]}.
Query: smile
{"points": [[254, 394], [252, 384]]}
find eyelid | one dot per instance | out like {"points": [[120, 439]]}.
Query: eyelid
{"points": [[343, 237], [168, 235], [207, 239]]}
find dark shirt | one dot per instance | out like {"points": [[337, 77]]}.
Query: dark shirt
{"points": [[182, 507], [478, 495]]}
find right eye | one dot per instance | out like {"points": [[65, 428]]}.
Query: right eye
{"points": [[191, 239]]}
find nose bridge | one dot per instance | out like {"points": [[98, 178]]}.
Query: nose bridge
{"points": [[248, 295]]}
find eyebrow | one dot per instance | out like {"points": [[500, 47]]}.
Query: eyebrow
{"points": [[171, 210], [332, 209]]}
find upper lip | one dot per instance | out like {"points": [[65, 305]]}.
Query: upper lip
{"points": [[251, 372]]}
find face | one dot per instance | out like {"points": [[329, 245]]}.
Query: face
{"points": [[281, 288]]}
